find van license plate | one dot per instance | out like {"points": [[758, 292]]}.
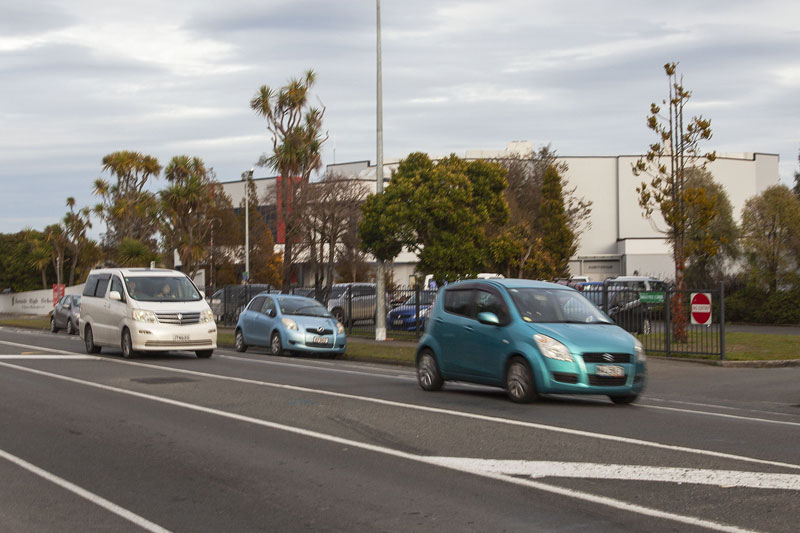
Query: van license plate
{"points": [[612, 371], [180, 338], [320, 340]]}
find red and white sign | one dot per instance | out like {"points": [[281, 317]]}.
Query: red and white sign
{"points": [[58, 292], [701, 308]]}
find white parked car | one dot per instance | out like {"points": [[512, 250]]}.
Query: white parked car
{"points": [[145, 309]]}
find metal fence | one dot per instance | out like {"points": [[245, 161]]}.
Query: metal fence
{"points": [[646, 314], [652, 317]]}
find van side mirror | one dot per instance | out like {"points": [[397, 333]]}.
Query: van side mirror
{"points": [[490, 319], [202, 295], [115, 295]]}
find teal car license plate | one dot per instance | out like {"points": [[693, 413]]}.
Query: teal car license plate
{"points": [[612, 371]]}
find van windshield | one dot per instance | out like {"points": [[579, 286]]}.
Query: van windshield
{"points": [[338, 291], [161, 289]]}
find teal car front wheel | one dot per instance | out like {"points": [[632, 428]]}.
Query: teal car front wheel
{"points": [[520, 386]]}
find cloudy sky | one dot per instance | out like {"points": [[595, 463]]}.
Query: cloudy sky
{"points": [[85, 78]]}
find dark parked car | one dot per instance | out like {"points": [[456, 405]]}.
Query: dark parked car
{"points": [[66, 314], [626, 304]]}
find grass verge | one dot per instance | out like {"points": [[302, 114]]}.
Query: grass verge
{"points": [[738, 346]]}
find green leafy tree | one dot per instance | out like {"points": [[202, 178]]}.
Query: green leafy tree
{"points": [[265, 264], [19, 271], [57, 241], [297, 138], [667, 164], [557, 237], [76, 225], [127, 208], [133, 253], [712, 235], [187, 207], [40, 252], [771, 237], [441, 211]]}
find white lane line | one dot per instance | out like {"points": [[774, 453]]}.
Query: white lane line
{"points": [[44, 356], [556, 469], [38, 348], [462, 414], [374, 372], [83, 493], [585, 496]]}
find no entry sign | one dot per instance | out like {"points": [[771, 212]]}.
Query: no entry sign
{"points": [[701, 308]]}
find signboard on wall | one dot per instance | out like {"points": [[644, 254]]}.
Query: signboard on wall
{"points": [[701, 308]]}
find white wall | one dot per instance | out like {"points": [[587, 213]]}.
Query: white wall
{"points": [[32, 302]]}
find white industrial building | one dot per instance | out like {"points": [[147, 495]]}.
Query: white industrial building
{"points": [[620, 240]]}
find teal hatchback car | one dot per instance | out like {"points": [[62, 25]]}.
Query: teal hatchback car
{"points": [[529, 337]]}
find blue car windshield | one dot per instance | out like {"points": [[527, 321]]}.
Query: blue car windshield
{"points": [[302, 307], [556, 306]]}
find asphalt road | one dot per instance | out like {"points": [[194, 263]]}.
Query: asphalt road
{"points": [[243, 442]]}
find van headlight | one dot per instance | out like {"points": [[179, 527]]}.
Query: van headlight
{"points": [[290, 324], [551, 348], [141, 315], [638, 350], [206, 316]]}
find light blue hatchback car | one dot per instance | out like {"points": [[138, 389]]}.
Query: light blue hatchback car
{"points": [[286, 324], [529, 337]]}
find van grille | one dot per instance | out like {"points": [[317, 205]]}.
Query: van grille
{"points": [[179, 319]]}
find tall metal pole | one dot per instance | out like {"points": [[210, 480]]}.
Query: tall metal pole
{"points": [[247, 224], [380, 276]]}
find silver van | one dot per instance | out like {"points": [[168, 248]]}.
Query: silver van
{"points": [[145, 309], [350, 302]]}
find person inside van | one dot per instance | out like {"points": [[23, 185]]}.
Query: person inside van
{"points": [[165, 292], [132, 288]]}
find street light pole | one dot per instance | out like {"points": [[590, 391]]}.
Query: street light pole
{"points": [[247, 223], [380, 275]]}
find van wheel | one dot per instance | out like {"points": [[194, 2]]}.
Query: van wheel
{"points": [[53, 328], [428, 375], [647, 326], [203, 354], [88, 339], [127, 345], [238, 341], [275, 344], [519, 381]]}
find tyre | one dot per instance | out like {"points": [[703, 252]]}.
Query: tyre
{"points": [[238, 341], [88, 340], [53, 328], [624, 400], [428, 375], [71, 329], [519, 382], [127, 345], [203, 354], [275, 344]]}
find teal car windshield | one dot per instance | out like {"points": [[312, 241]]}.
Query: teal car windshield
{"points": [[301, 307], [546, 305]]}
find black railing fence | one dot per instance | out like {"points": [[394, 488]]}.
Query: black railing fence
{"points": [[649, 315]]}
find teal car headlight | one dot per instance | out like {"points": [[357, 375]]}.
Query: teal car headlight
{"points": [[551, 348], [638, 350]]}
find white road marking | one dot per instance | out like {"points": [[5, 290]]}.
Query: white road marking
{"points": [[44, 356], [38, 348], [373, 372], [83, 493], [556, 469], [584, 496]]}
